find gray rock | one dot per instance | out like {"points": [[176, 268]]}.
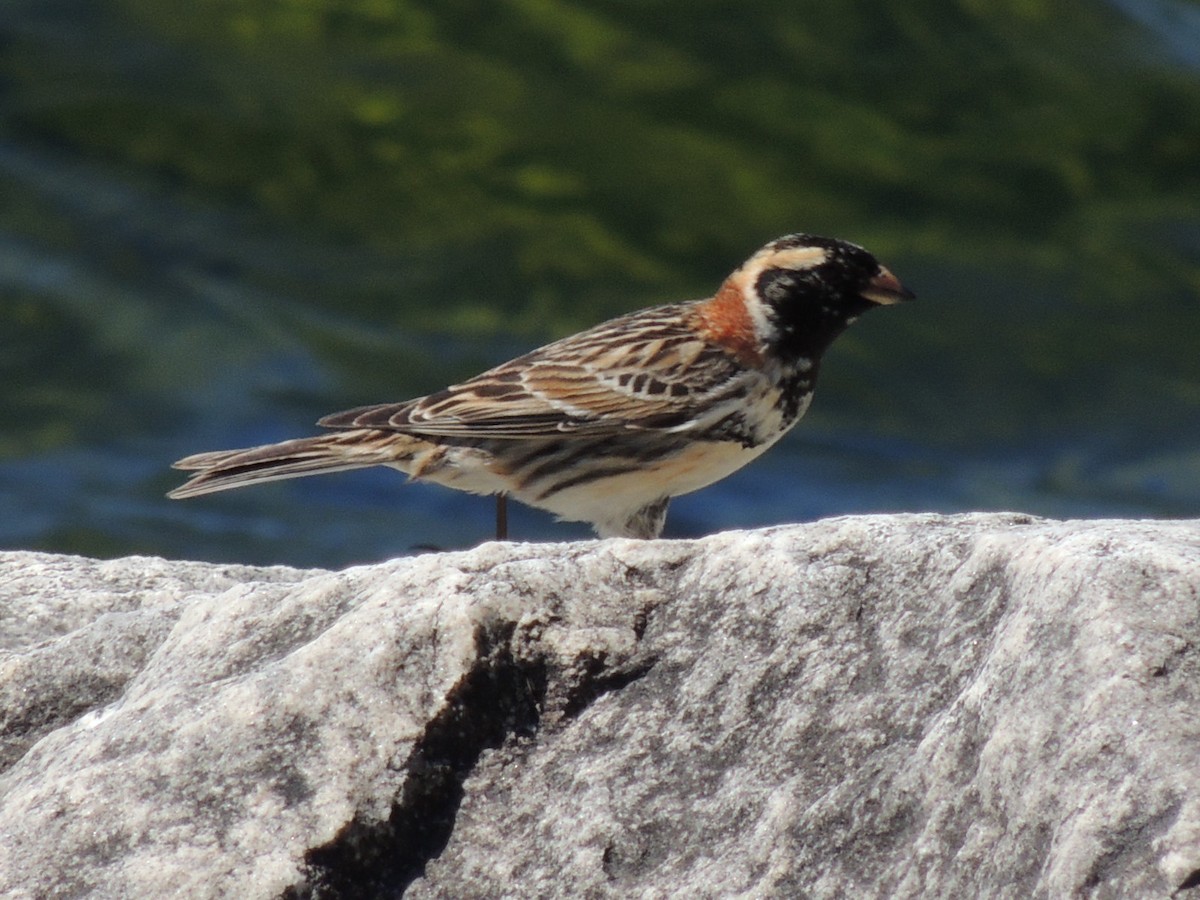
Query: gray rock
{"points": [[903, 706]]}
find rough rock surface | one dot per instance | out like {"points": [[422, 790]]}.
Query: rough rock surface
{"points": [[907, 706]]}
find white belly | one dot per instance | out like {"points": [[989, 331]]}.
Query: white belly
{"points": [[615, 498]]}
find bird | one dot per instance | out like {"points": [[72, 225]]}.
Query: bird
{"points": [[607, 425]]}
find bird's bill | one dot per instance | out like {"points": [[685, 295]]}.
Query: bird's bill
{"points": [[886, 289]]}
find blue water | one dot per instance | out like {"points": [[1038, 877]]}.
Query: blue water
{"points": [[208, 242]]}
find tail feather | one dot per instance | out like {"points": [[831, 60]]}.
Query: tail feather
{"points": [[224, 470]]}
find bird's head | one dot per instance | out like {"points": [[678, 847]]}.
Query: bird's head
{"points": [[802, 291]]}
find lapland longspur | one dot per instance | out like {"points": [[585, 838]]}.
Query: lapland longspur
{"points": [[606, 426]]}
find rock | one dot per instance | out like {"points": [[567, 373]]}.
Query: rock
{"points": [[901, 706]]}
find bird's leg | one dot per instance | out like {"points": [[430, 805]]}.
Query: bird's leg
{"points": [[648, 521]]}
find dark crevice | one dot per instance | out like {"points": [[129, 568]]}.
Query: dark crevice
{"points": [[1188, 883], [501, 698], [597, 681], [509, 694]]}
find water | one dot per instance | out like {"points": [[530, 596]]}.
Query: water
{"points": [[220, 222]]}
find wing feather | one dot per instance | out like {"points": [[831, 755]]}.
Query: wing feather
{"points": [[645, 371]]}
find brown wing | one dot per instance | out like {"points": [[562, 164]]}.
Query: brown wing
{"points": [[646, 371]]}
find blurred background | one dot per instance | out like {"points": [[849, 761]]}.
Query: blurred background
{"points": [[221, 219]]}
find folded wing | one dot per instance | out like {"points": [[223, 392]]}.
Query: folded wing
{"points": [[645, 371]]}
